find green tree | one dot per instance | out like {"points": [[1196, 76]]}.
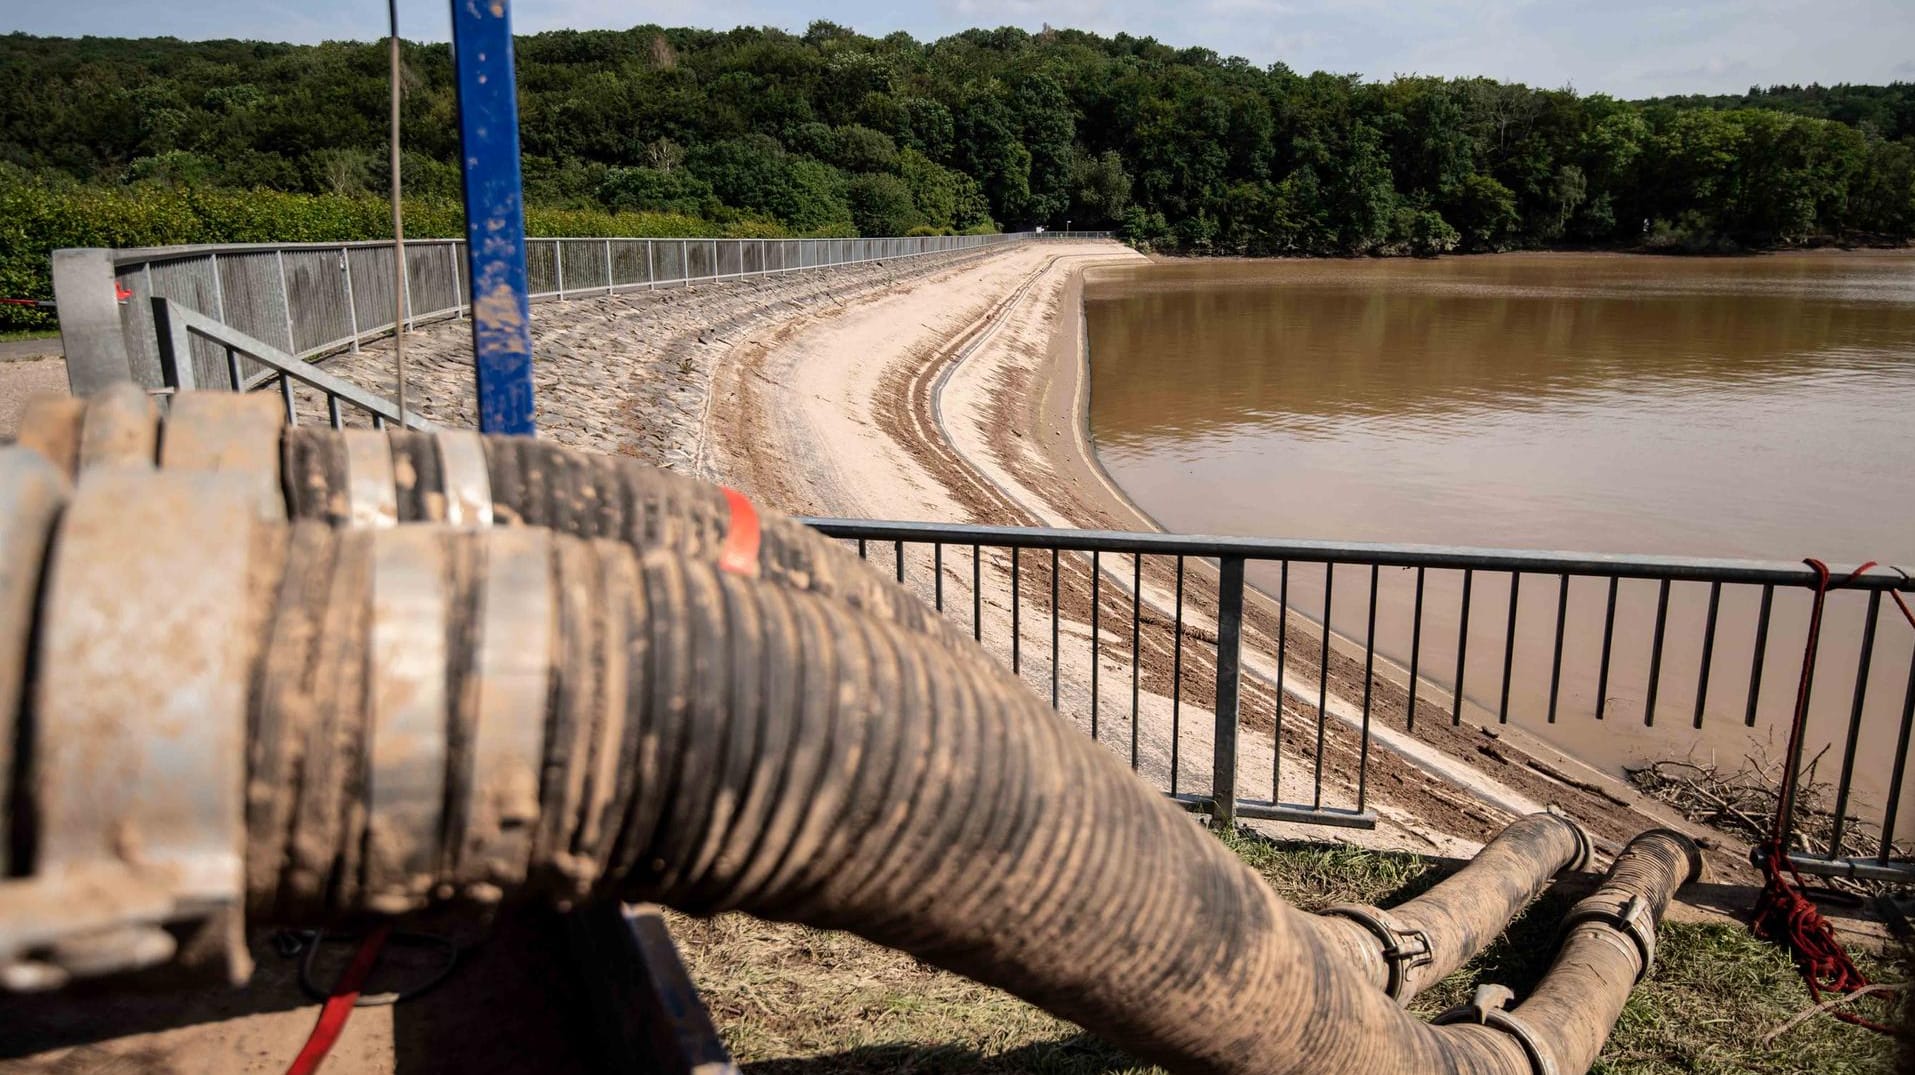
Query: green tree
{"points": [[1483, 212], [1100, 188], [881, 204], [652, 190]]}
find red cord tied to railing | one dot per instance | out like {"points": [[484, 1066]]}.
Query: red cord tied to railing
{"points": [[1782, 913]]}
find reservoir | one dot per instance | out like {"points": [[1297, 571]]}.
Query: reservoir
{"points": [[1754, 407]]}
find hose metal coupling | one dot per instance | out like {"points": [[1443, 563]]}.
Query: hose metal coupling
{"points": [[1488, 1006], [134, 807], [1632, 917], [1585, 847], [1404, 949]]}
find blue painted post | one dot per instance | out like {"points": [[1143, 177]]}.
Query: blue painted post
{"points": [[494, 214]]}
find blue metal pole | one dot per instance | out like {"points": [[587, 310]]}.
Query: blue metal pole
{"points": [[494, 213]]}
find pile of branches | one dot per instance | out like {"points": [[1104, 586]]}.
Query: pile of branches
{"points": [[1742, 802]]}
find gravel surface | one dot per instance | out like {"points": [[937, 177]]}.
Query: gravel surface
{"points": [[24, 380]]}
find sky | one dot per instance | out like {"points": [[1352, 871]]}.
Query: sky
{"points": [[1626, 48]]}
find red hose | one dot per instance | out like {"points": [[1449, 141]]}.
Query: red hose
{"points": [[338, 1006]]}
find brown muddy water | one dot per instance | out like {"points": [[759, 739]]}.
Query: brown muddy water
{"points": [[1734, 407]]}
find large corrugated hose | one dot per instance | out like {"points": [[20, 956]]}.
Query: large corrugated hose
{"points": [[433, 713]]}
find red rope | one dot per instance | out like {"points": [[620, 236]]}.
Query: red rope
{"points": [[1782, 913], [338, 1006]]}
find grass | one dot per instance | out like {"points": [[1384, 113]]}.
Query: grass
{"points": [[28, 334], [796, 1001]]}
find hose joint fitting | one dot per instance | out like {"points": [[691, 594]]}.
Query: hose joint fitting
{"points": [[1633, 918], [1488, 1007], [1404, 949], [1585, 847]]}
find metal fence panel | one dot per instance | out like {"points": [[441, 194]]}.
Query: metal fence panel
{"points": [[541, 267], [700, 258], [669, 260], [194, 282], [316, 295], [584, 261], [370, 270], [251, 297], [310, 298], [631, 264], [432, 287], [136, 322]]}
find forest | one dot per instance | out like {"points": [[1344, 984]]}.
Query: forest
{"points": [[109, 141]]}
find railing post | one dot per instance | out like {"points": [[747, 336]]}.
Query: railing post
{"points": [[352, 308], [458, 300], [1223, 771], [286, 302], [651, 267], [175, 347], [85, 292], [219, 290], [558, 261], [608, 267], [405, 285]]}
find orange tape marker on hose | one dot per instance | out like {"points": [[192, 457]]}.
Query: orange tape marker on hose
{"points": [[740, 553]]}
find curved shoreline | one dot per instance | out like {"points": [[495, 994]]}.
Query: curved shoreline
{"points": [[1529, 772], [960, 395]]}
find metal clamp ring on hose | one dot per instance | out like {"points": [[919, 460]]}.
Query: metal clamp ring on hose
{"points": [[1585, 847], [1404, 949], [1485, 1008], [1632, 919]]}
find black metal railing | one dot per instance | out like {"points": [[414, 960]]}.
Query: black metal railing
{"points": [[1661, 655]]}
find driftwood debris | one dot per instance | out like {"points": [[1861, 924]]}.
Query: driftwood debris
{"points": [[1742, 801]]}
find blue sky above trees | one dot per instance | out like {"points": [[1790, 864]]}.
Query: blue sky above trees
{"points": [[1627, 48]]}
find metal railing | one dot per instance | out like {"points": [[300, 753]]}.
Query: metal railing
{"points": [[1136, 631], [180, 333], [310, 299]]}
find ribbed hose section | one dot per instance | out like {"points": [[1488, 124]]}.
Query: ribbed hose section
{"points": [[715, 742], [1438, 931], [1608, 943], [591, 495]]}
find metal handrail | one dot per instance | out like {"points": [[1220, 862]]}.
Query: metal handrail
{"points": [[312, 299], [135, 255], [1220, 597], [1454, 557], [178, 327]]}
